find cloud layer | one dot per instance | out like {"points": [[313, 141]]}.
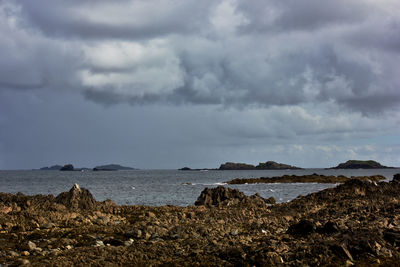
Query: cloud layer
{"points": [[258, 70]]}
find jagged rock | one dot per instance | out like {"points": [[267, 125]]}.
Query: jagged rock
{"points": [[215, 196], [329, 228], [270, 200], [302, 228], [396, 177], [77, 198]]}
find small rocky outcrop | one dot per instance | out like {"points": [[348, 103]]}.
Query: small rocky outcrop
{"points": [[111, 167], [77, 198], [272, 165], [51, 168], [236, 166], [67, 167], [313, 178], [360, 164]]}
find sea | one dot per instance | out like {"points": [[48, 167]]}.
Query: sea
{"points": [[167, 187]]}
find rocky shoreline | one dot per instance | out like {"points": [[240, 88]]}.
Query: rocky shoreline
{"points": [[313, 178], [355, 223]]}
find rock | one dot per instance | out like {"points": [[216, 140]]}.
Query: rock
{"points": [[396, 177], [114, 242], [67, 167], [98, 243], [25, 253], [328, 228], [150, 214], [48, 226], [270, 200], [68, 247], [77, 198], [302, 228], [215, 196], [128, 242], [31, 246], [234, 232], [25, 262], [13, 254]]}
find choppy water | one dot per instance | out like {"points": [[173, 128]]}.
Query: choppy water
{"points": [[163, 187]]}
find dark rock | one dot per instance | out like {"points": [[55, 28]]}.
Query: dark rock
{"points": [[392, 236], [114, 242], [302, 228], [67, 167], [329, 228], [270, 200], [77, 198], [185, 169], [396, 177], [215, 196]]}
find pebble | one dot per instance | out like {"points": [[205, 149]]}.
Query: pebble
{"points": [[98, 243], [31, 246], [25, 253], [234, 232], [13, 253], [128, 242]]}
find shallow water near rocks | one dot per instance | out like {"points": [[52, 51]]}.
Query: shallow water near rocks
{"points": [[166, 187]]}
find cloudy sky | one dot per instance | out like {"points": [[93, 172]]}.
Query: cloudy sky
{"points": [[173, 83]]}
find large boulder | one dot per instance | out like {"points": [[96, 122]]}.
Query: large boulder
{"points": [[77, 198], [223, 196]]}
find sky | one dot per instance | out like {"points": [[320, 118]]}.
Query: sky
{"points": [[163, 84]]}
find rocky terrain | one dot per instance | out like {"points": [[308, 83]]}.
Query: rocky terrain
{"points": [[313, 178], [360, 164], [356, 223]]}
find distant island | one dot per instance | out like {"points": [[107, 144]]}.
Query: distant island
{"points": [[70, 167], [360, 164], [67, 167], [52, 168], [313, 178], [269, 165], [111, 167]]}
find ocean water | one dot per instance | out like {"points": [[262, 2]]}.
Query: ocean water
{"points": [[165, 187]]}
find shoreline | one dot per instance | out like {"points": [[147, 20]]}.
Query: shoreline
{"points": [[357, 222]]}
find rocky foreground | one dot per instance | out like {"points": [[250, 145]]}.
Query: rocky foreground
{"points": [[356, 223]]}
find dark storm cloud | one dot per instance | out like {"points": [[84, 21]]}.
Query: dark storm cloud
{"points": [[228, 53]]}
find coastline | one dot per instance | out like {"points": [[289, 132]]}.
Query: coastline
{"points": [[357, 222]]}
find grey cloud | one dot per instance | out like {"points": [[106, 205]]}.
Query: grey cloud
{"points": [[282, 53], [64, 19]]}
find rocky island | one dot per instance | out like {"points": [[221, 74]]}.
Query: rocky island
{"points": [[269, 165], [360, 164], [112, 167], [313, 178], [51, 168], [356, 223]]}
